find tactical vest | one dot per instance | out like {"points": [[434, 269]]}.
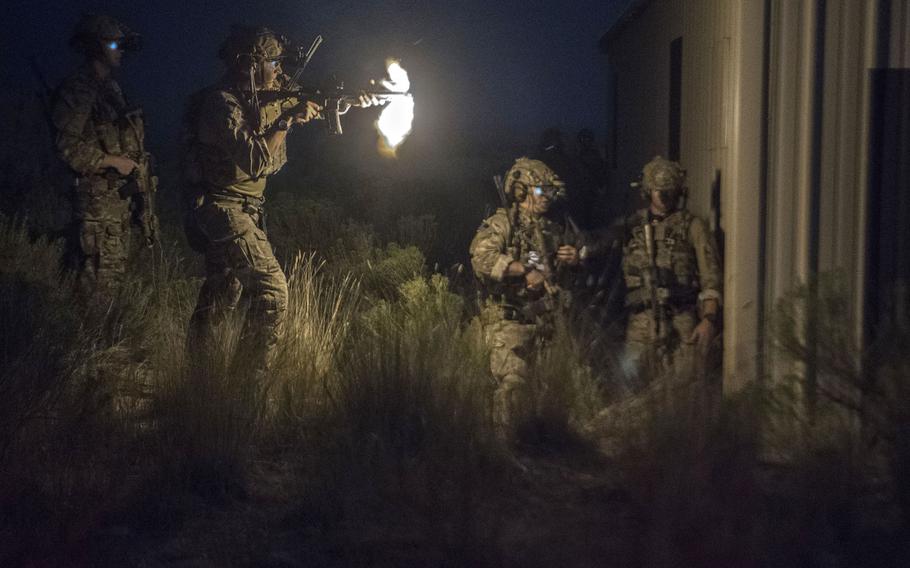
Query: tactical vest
{"points": [[527, 245], [677, 265], [120, 129]]}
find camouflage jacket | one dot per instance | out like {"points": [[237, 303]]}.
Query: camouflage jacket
{"points": [[499, 241], [92, 118], [228, 144], [687, 265]]}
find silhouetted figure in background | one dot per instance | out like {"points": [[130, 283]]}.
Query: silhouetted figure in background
{"points": [[592, 181], [552, 152], [584, 173]]}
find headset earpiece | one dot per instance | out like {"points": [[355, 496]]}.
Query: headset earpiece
{"points": [[519, 191]]}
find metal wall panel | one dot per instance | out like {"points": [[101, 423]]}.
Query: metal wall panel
{"points": [[899, 52], [817, 179], [710, 75], [816, 134]]}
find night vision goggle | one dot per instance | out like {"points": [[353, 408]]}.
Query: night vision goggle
{"points": [[549, 191], [129, 42]]}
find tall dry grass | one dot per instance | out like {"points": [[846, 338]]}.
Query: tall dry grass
{"points": [[798, 469], [378, 408], [377, 385], [404, 429], [67, 446]]}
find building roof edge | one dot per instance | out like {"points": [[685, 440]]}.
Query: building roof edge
{"points": [[628, 16]]}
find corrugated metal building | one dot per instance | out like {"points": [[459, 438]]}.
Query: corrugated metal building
{"points": [[793, 120]]}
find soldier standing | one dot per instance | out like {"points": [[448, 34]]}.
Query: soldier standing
{"points": [[101, 138], [516, 254], [672, 276], [233, 148]]}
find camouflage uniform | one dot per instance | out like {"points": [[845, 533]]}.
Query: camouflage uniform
{"points": [[687, 272], [92, 119], [516, 321], [233, 162]]}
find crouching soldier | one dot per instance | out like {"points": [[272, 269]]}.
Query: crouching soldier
{"points": [[517, 254]]}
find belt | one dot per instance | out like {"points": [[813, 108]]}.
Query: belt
{"points": [[236, 197], [672, 307], [251, 205], [676, 295]]}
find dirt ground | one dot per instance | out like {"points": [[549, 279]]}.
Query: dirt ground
{"points": [[549, 509]]}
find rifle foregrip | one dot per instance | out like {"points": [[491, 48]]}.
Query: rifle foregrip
{"points": [[333, 121]]}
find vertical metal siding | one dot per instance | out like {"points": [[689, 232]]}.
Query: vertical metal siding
{"points": [[900, 34], [784, 138], [819, 53]]}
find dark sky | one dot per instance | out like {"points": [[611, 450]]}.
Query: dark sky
{"points": [[503, 67], [488, 77]]}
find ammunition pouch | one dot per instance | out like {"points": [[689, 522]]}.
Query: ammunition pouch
{"points": [[527, 313], [537, 309]]}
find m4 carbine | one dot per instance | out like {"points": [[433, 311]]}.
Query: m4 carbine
{"points": [[140, 188], [652, 283], [334, 102]]}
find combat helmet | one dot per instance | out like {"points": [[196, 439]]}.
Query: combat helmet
{"points": [[532, 175], [661, 174], [248, 44], [94, 28]]}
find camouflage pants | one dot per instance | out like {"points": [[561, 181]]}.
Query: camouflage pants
{"points": [[512, 348], [101, 246], [674, 357], [239, 262]]}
